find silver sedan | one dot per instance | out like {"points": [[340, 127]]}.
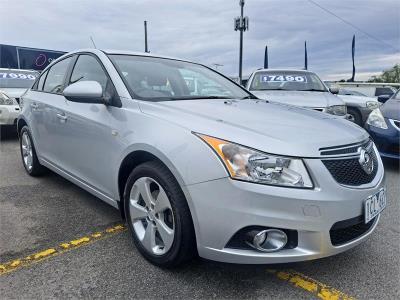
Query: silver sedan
{"points": [[197, 164]]}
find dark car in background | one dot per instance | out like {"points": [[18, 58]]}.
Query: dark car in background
{"points": [[383, 125]]}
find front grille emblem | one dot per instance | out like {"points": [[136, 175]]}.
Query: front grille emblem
{"points": [[366, 161]]}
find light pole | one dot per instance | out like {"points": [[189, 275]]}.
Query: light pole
{"points": [[146, 48], [241, 24]]}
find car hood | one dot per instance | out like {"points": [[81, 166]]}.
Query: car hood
{"points": [[14, 92], [300, 98], [269, 127], [391, 109]]}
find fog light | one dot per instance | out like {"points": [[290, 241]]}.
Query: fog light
{"points": [[269, 240]]}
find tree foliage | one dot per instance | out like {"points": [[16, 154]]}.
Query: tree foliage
{"points": [[390, 76]]}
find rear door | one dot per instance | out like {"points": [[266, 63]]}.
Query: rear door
{"points": [[45, 104]]}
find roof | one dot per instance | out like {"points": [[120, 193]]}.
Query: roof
{"points": [[283, 70], [123, 52]]}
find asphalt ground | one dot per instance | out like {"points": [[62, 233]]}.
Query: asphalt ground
{"points": [[58, 241]]}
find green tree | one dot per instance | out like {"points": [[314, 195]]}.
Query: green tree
{"points": [[390, 76]]}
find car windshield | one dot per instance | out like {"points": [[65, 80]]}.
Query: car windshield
{"points": [[287, 80], [397, 96], [17, 78], [352, 93], [160, 79]]}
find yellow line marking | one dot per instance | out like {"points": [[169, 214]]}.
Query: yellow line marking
{"points": [[310, 285], [62, 248], [294, 278]]}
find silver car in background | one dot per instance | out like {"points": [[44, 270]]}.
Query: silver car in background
{"points": [[296, 87], [202, 168], [359, 106]]}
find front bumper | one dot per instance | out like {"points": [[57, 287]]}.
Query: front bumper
{"points": [[9, 114], [386, 140], [222, 207]]}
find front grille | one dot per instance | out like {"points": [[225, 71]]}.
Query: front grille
{"points": [[349, 171], [348, 230]]}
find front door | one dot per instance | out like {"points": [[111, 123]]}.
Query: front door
{"points": [[89, 138]]}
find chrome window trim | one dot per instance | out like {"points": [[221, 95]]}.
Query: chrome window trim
{"points": [[392, 121]]}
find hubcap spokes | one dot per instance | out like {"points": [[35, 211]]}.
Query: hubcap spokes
{"points": [[27, 154], [151, 215]]}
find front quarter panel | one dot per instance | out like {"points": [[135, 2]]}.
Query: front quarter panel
{"points": [[189, 158]]}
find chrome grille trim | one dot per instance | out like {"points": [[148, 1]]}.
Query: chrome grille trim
{"points": [[350, 150]]}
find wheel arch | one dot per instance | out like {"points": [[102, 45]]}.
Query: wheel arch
{"points": [[20, 124], [139, 155]]}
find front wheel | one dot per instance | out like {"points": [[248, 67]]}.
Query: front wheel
{"points": [[158, 216], [354, 116]]}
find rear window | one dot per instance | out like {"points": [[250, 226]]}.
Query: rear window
{"points": [[383, 91], [17, 78]]}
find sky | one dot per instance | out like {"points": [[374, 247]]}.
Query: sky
{"points": [[203, 31]]}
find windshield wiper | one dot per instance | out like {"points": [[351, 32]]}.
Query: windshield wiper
{"points": [[278, 89], [313, 90], [197, 97], [249, 97]]}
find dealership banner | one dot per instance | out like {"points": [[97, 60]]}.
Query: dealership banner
{"points": [[16, 57]]}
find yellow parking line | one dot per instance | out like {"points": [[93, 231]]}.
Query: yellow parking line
{"points": [[310, 285], [59, 249], [292, 277]]}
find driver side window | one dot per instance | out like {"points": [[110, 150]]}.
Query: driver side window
{"points": [[56, 75], [87, 68]]}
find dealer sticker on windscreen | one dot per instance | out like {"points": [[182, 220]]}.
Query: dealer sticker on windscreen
{"points": [[283, 78], [374, 205]]}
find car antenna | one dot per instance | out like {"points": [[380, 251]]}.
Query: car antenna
{"points": [[94, 45]]}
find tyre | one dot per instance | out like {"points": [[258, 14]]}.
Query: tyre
{"points": [[28, 154], [354, 116], [158, 216]]}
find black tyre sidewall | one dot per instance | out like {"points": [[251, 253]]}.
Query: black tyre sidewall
{"points": [[37, 168], [183, 246], [356, 115]]}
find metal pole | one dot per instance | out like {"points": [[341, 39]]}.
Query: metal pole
{"points": [[241, 41], [146, 49], [266, 58]]}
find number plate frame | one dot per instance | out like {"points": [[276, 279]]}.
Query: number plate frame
{"points": [[374, 205]]}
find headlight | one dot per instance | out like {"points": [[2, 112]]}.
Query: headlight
{"points": [[372, 104], [376, 119], [5, 100], [337, 110], [246, 164]]}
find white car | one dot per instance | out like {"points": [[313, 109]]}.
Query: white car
{"points": [[13, 84], [9, 110], [296, 87]]}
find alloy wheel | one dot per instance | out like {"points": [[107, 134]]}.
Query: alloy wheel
{"points": [[151, 216], [27, 153]]}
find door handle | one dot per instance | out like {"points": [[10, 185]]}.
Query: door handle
{"points": [[62, 117], [34, 106]]}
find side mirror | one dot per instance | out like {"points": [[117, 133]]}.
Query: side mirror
{"points": [[334, 90], [383, 98], [85, 92]]}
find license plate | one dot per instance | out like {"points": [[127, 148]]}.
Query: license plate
{"points": [[374, 205]]}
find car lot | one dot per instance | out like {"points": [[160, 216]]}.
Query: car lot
{"points": [[76, 249]]}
